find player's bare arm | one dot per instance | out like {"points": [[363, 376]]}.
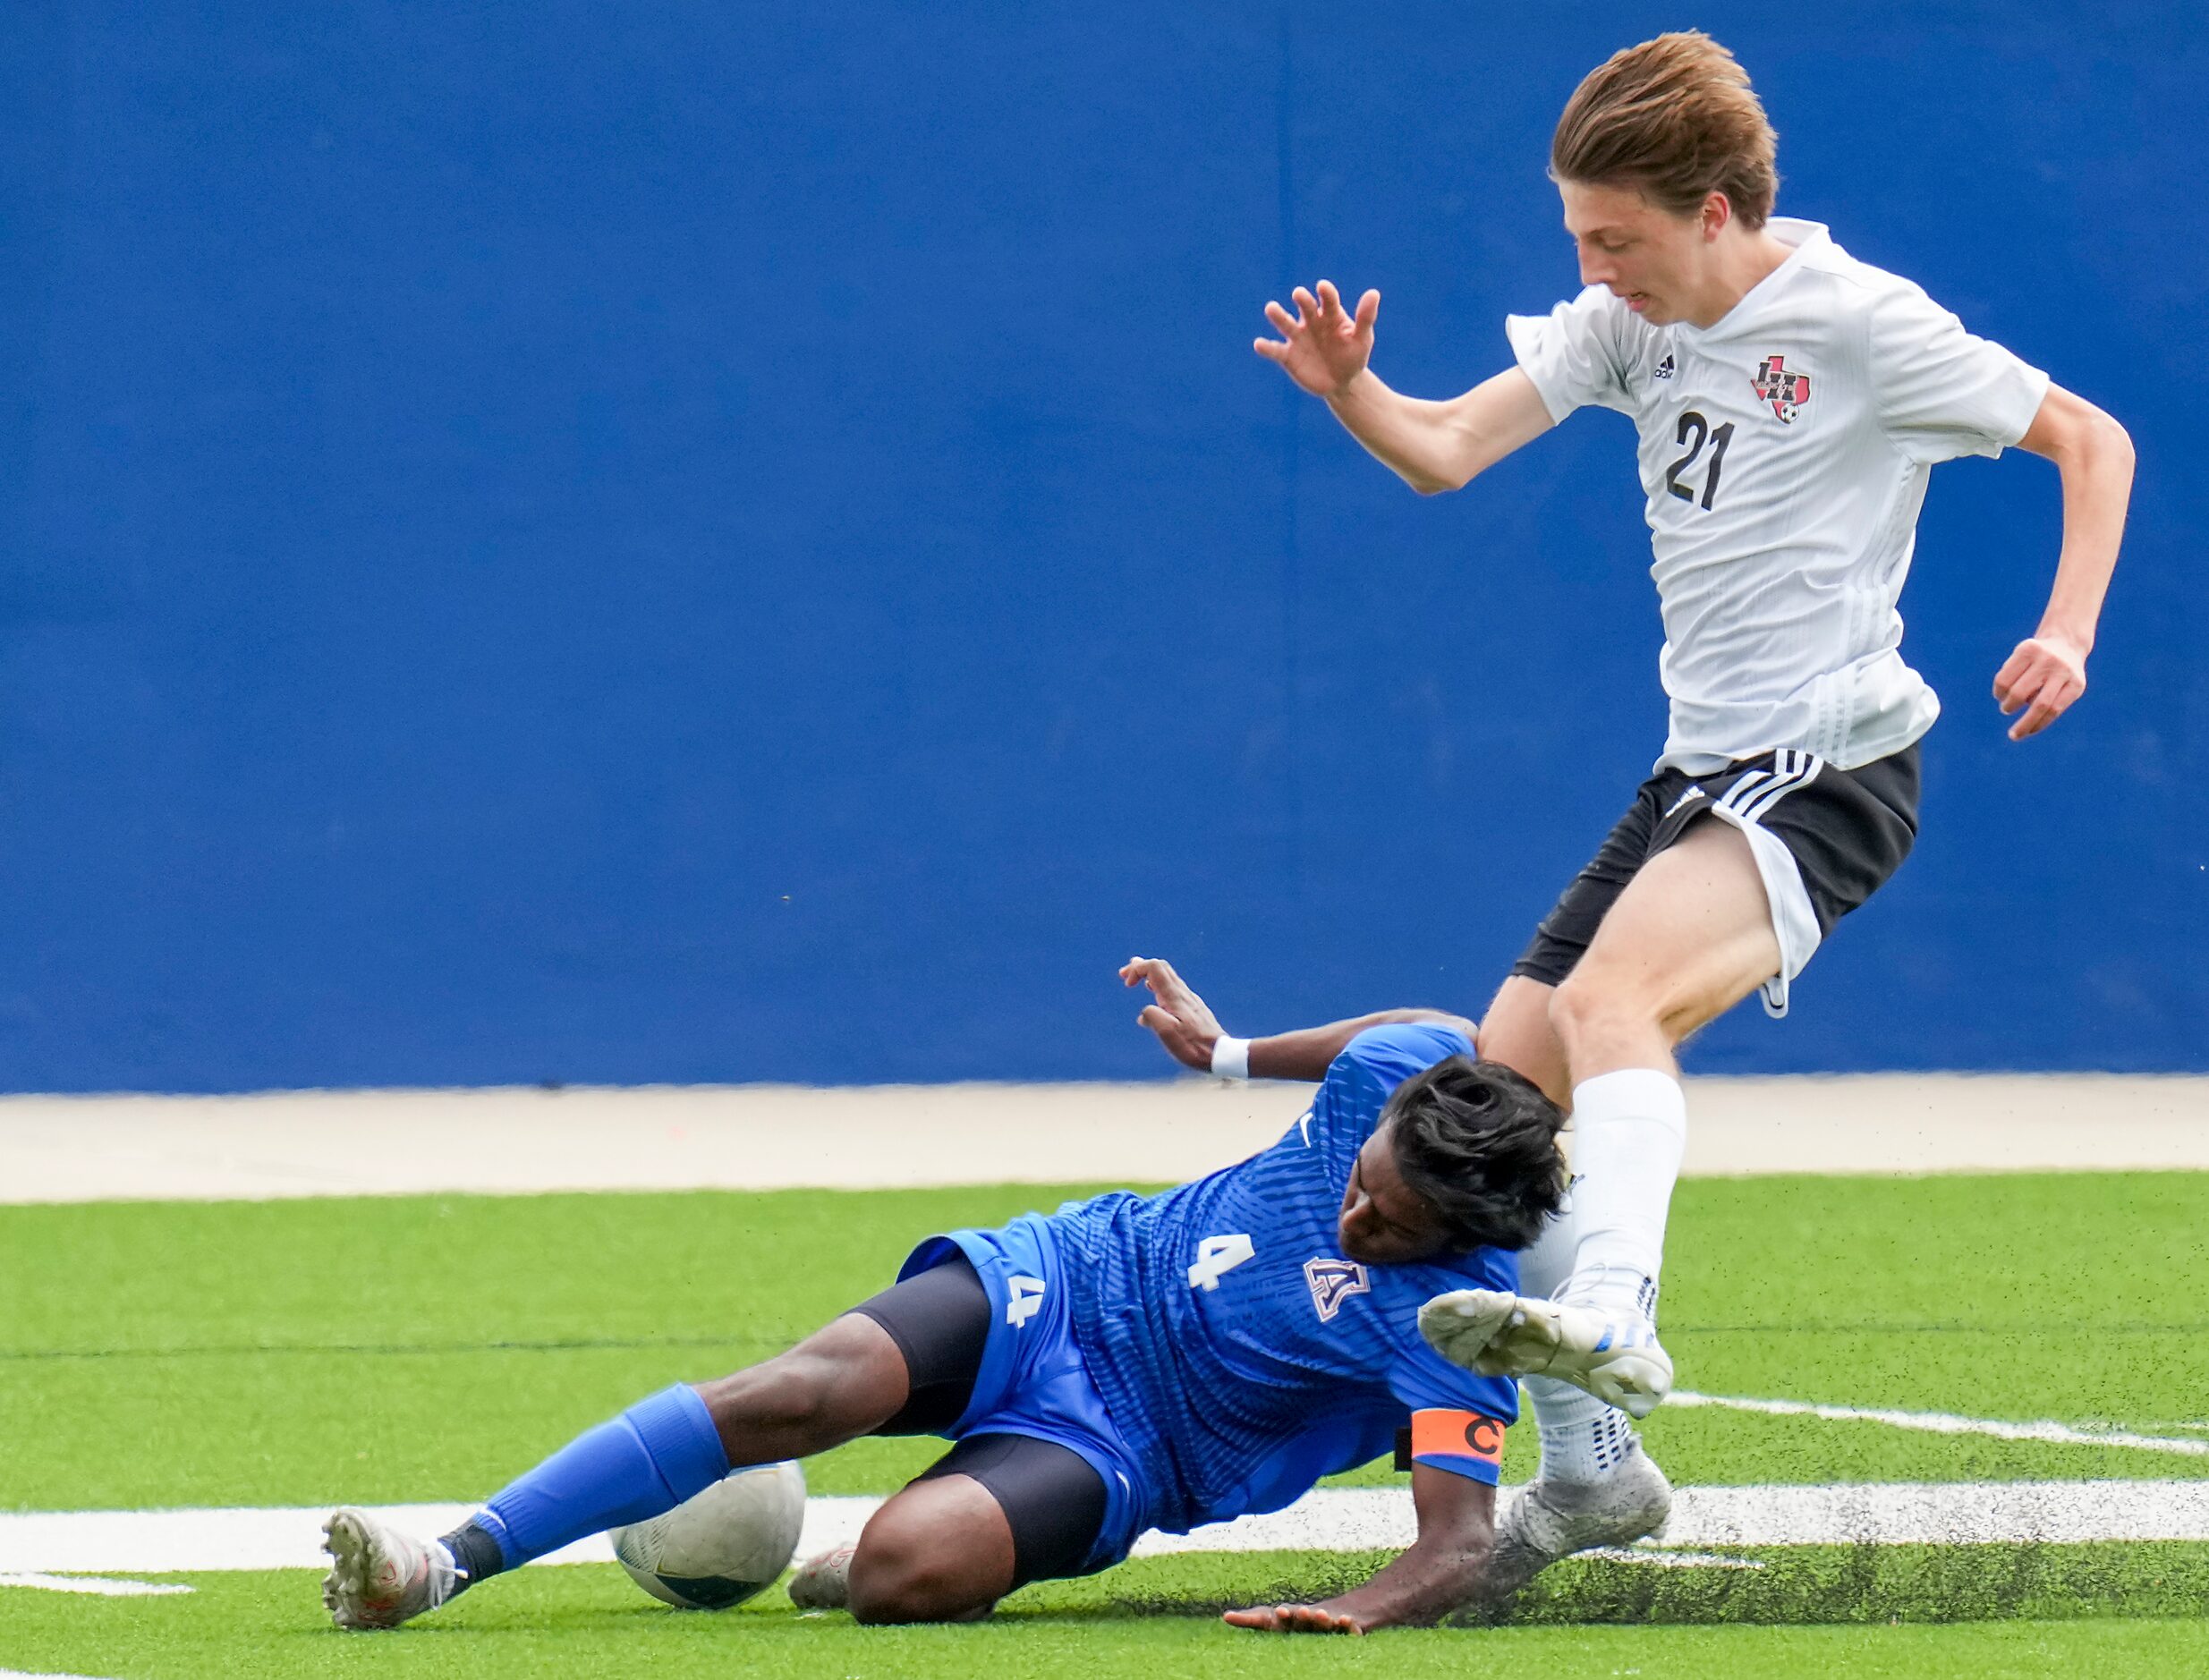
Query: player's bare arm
{"points": [[1430, 445], [2094, 455], [1441, 1570], [1186, 1025]]}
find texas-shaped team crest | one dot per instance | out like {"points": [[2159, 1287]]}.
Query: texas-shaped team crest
{"points": [[1786, 391], [1334, 1282]]}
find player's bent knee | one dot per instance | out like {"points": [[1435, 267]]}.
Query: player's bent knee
{"points": [[1591, 1002], [1516, 1032], [902, 1574]]}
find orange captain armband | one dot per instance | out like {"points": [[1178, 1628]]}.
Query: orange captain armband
{"points": [[1465, 1443]]}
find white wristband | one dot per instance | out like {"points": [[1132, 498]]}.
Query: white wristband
{"points": [[1231, 1057]]}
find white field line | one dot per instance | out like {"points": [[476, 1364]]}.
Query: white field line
{"points": [[1648, 1554], [98, 1586], [1947, 1424], [1330, 1519], [24, 1674]]}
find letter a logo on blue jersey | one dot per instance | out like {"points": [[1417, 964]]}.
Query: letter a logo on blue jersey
{"points": [[1334, 1282]]}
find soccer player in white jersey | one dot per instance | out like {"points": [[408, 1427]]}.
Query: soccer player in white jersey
{"points": [[1791, 401]]}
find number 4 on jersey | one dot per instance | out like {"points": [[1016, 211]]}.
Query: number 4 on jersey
{"points": [[1217, 1256]]}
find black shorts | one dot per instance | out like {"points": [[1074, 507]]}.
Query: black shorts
{"points": [[1053, 1501], [1824, 840]]}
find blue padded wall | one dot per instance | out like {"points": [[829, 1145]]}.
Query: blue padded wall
{"points": [[692, 542]]}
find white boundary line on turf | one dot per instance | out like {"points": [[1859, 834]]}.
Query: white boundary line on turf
{"points": [[98, 1586], [1330, 1519], [24, 1674], [1949, 1423]]}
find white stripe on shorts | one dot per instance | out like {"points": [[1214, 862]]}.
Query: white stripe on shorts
{"points": [[1793, 921]]}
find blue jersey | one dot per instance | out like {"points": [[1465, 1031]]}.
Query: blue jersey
{"points": [[1239, 1355]]}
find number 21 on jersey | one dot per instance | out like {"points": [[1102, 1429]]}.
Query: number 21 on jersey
{"points": [[1217, 1256], [1692, 425]]}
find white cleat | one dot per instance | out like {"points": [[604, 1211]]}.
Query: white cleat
{"points": [[1548, 1520], [824, 1582], [1615, 1358], [379, 1577]]}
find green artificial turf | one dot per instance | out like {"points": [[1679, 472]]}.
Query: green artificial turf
{"points": [[1815, 1611], [414, 1349], [426, 1348]]}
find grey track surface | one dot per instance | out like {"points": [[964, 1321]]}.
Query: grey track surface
{"points": [[519, 1140]]}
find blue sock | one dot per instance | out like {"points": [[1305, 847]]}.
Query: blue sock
{"points": [[649, 1459]]}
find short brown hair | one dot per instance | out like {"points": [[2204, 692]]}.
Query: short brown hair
{"points": [[1676, 119]]}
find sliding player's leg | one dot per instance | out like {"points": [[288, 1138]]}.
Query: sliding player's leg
{"points": [[994, 1513], [868, 1371], [1041, 1483]]}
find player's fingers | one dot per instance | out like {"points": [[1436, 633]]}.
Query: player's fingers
{"points": [[1272, 349], [1159, 1021], [1263, 1620], [2015, 666], [1368, 310], [2052, 702], [1307, 306], [1330, 300], [1280, 318], [2038, 715], [2024, 683]]}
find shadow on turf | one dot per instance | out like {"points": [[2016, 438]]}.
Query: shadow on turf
{"points": [[1796, 1586]]}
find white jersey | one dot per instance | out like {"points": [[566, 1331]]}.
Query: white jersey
{"points": [[1785, 453]]}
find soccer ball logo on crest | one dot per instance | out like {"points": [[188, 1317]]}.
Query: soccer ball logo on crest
{"points": [[1786, 391]]}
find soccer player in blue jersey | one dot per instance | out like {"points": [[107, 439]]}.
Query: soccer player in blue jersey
{"points": [[1128, 1363]]}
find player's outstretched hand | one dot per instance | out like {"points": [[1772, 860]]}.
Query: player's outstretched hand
{"points": [[1294, 1618], [1322, 347], [1183, 1022], [2041, 679]]}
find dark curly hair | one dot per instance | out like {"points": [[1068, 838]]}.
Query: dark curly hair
{"points": [[1478, 1142]]}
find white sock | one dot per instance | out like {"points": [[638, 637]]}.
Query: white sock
{"points": [[1583, 1439], [1546, 1265], [1629, 1134]]}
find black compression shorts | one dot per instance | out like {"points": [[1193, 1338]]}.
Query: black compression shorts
{"points": [[1053, 1501]]}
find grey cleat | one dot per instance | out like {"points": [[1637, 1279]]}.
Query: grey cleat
{"points": [[379, 1577], [1548, 1520], [824, 1582]]}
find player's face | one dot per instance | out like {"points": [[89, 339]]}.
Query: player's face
{"points": [[1384, 1221], [1654, 259]]}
